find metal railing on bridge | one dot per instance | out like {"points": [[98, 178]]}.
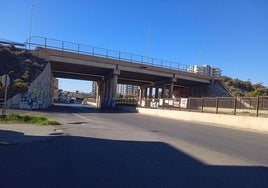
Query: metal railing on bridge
{"points": [[37, 41], [250, 106]]}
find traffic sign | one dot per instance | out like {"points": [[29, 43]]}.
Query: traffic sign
{"points": [[5, 80]]}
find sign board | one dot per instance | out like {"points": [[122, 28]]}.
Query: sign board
{"points": [[5, 80], [184, 102], [176, 104]]}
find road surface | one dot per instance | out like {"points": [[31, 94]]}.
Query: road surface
{"points": [[117, 149]]}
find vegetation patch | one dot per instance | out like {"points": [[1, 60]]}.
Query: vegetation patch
{"points": [[243, 88], [26, 118]]}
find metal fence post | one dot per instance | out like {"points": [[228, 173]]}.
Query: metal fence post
{"points": [[217, 105], [258, 106], [190, 105], [235, 99], [202, 103]]}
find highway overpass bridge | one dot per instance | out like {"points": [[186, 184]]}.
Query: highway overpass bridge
{"points": [[109, 68]]}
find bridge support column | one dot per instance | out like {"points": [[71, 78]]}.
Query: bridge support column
{"points": [[171, 87], [142, 92], [100, 95], [146, 92], [163, 93], [156, 92], [106, 88], [150, 92], [114, 87], [110, 89]]}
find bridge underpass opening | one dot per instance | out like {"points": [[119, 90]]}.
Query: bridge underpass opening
{"points": [[73, 91]]}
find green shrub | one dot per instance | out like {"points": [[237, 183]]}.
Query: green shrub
{"points": [[33, 119]]}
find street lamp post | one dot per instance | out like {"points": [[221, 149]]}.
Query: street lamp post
{"points": [[31, 21]]}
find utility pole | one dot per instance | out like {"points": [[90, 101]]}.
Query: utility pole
{"points": [[149, 40], [31, 22]]}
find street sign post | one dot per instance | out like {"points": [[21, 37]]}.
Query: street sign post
{"points": [[5, 83], [5, 80]]}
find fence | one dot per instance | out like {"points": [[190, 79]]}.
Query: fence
{"points": [[251, 106]]}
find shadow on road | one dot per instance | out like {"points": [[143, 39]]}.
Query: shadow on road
{"points": [[74, 108], [69, 161]]}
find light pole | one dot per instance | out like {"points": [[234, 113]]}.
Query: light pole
{"points": [[149, 41], [31, 21]]}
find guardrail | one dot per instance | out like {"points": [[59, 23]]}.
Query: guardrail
{"points": [[250, 106], [37, 41]]}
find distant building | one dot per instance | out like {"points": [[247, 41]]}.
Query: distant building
{"points": [[121, 89], [205, 70], [127, 89], [132, 90], [94, 87]]}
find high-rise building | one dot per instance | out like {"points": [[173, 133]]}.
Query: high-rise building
{"points": [[205, 70], [127, 89], [122, 89], [132, 90]]}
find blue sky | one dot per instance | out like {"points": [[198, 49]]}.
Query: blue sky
{"points": [[229, 34]]}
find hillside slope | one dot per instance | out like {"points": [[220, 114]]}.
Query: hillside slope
{"points": [[22, 68], [243, 88]]}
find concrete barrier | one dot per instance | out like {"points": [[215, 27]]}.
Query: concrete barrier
{"points": [[239, 122]]}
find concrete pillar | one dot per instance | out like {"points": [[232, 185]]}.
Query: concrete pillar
{"points": [[97, 96], [100, 93], [171, 87], [110, 95], [146, 92], [141, 92], [150, 92], [156, 92], [113, 88], [163, 91], [106, 94]]}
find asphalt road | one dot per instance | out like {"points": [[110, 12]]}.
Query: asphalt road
{"points": [[117, 149]]}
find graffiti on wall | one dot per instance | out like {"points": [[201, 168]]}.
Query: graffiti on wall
{"points": [[32, 100]]}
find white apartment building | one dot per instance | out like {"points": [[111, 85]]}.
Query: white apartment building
{"points": [[205, 70], [121, 89], [127, 89]]}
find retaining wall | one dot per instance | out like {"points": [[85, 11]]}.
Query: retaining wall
{"points": [[239, 122], [40, 93]]}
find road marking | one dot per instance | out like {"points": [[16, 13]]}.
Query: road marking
{"points": [[79, 116]]}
